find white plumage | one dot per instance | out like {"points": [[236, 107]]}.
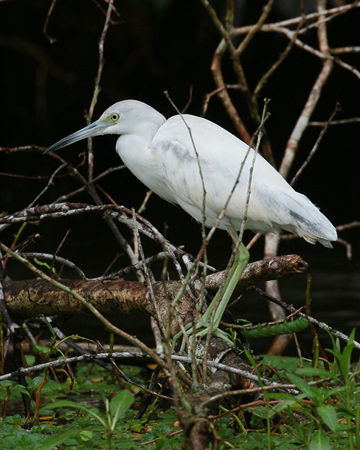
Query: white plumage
{"points": [[161, 154]]}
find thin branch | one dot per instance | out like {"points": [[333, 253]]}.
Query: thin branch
{"points": [[281, 58], [52, 6], [290, 308], [316, 146], [348, 247], [197, 160], [280, 386], [130, 355], [342, 50], [223, 94], [97, 87], [256, 27], [302, 122], [335, 122], [209, 96], [347, 226], [84, 188], [293, 21], [86, 357], [52, 258]]}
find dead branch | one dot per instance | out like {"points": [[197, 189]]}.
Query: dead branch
{"points": [[266, 269], [32, 298]]}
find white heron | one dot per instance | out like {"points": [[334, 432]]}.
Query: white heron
{"points": [[162, 154]]}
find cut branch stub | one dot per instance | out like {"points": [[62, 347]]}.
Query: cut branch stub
{"points": [[263, 270]]}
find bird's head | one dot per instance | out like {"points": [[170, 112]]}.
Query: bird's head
{"points": [[126, 117]]}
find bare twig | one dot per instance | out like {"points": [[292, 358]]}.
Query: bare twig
{"points": [[256, 28], [290, 308], [55, 258], [97, 86], [197, 160], [314, 96], [223, 94], [347, 226], [275, 66], [84, 188], [316, 146], [52, 40], [342, 50], [335, 122]]}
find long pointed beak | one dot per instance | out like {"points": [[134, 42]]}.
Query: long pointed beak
{"points": [[93, 129]]}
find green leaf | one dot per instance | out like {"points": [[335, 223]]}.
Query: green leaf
{"points": [[86, 435], [328, 415], [313, 372], [253, 363], [283, 405], [69, 404], [337, 390], [22, 389], [34, 383], [313, 393], [6, 383], [30, 360], [41, 348], [160, 443], [63, 404], [284, 396], [57, 439], [119, 405], [319, 441], [343, 359], [345, 362]]}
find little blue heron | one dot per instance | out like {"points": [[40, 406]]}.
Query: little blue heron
{"points": [[165, 155]]}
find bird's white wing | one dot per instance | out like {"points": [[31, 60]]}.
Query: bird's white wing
{"points": [[273, 203], [221, 156]]}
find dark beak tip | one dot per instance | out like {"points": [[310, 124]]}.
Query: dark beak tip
{"points": [[89, 131], [52, 148]]}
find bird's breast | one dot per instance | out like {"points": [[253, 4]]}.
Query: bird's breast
{"points": [[144, 163]]}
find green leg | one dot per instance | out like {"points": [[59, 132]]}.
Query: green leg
{"points": [[240, 262]]}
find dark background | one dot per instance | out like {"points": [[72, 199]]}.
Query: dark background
{"points": [[168, 45]]}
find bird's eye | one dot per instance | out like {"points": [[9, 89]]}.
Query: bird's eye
{"points": [[114, 117]]}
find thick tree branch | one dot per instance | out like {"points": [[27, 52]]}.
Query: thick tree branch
{"points": [[31, 298]]}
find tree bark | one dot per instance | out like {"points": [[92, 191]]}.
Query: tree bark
{"points": [[31, 298]]}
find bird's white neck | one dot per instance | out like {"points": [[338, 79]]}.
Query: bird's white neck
{"points": [[139, 135], [135, 150]]}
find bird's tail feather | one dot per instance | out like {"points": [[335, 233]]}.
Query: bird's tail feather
{"points": [[304, 218]]}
